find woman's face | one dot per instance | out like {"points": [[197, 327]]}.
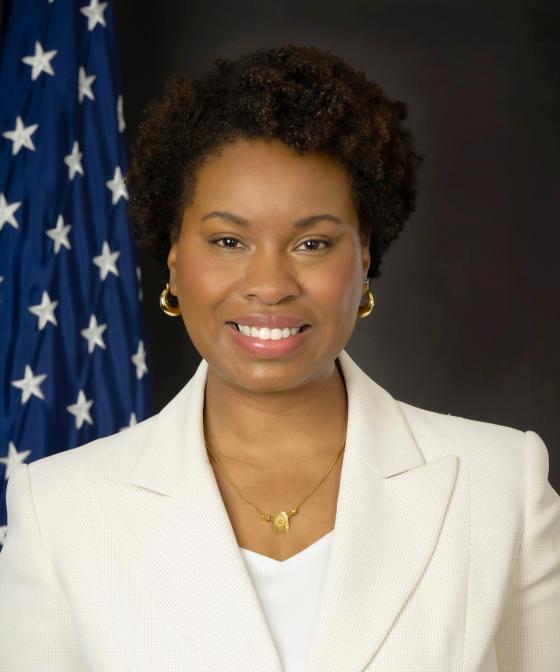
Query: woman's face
{"points": [[253, 264]]}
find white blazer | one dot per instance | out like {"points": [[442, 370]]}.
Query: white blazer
{"points": [[120, 556]]}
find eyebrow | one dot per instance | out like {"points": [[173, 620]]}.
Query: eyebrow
{"points": [[302, 223]]}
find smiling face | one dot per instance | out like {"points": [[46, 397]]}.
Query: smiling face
{"points": [[267, 256]]}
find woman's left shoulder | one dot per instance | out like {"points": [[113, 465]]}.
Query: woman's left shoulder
{"points": [[501, 450]]}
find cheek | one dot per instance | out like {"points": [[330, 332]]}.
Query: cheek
{"points": [[201, 281], [336, 287]]}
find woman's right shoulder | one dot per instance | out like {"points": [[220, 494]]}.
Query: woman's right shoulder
{"points": [[74, 469]]}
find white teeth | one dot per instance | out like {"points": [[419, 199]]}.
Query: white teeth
{"points": [[266, 334]]}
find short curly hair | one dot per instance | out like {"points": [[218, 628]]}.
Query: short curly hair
{"points": [[311, 100]]}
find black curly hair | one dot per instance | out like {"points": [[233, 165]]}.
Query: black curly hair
{"points": [[311, 100]]}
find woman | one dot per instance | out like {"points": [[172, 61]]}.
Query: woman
{"points": [[283, 511]]}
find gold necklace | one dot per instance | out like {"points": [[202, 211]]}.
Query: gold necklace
{"points": [[280, 521]]}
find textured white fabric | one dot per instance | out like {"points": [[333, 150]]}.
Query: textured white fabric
{"points": [[120, 555], [290, 594]]}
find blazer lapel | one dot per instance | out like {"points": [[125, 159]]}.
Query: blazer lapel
{"points": [[174, 528], [391, 507]]}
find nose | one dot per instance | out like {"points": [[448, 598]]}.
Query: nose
{"points": [[271, 277]]}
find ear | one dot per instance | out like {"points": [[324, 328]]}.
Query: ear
{"points": [[172, 266]]}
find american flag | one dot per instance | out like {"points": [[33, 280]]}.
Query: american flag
{"points": [[72, 350]]}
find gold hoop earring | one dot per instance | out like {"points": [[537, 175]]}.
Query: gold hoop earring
{"points": [[364, 311], [167, 307]]}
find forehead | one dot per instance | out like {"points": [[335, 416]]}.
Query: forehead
{"points": [[260, 175]]}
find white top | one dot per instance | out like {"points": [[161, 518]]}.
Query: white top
{"points": [[290, 594]]}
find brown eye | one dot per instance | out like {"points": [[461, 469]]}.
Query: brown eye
{"points": [[227, 238], [313, 240]]}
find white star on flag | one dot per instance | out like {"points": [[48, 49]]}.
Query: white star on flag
{"points": [[94, 334], [117, 186], [74, 161], [84, 85], [14, 458], [44, 311], [139, 361], [21, 136], [81, 410], [7, 213], [94, 13], [29, 384], [120, 115], [59, 234], [40, 62], [106, 261], [133, 421], [3, 534]]}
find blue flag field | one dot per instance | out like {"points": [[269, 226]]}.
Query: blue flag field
{"points": [[73, 362]]}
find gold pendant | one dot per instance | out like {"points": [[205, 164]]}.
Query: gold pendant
{"points": [[280, 522]]}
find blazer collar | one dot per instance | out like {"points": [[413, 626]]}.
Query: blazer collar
{"points": [[376, 432], [171, 519]]}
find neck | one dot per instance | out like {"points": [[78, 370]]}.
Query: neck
{"points": [[274, 431]]}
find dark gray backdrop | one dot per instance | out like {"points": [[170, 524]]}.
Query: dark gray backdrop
{"points": [[467, 309]]}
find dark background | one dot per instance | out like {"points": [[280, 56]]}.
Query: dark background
{"points": [[467, 307]]}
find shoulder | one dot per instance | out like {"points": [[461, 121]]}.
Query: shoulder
{"points": [[489, 452], [108, 457], [476, 432], [66, 476]]}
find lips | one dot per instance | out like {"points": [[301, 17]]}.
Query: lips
{"points": [[268, 347]]}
